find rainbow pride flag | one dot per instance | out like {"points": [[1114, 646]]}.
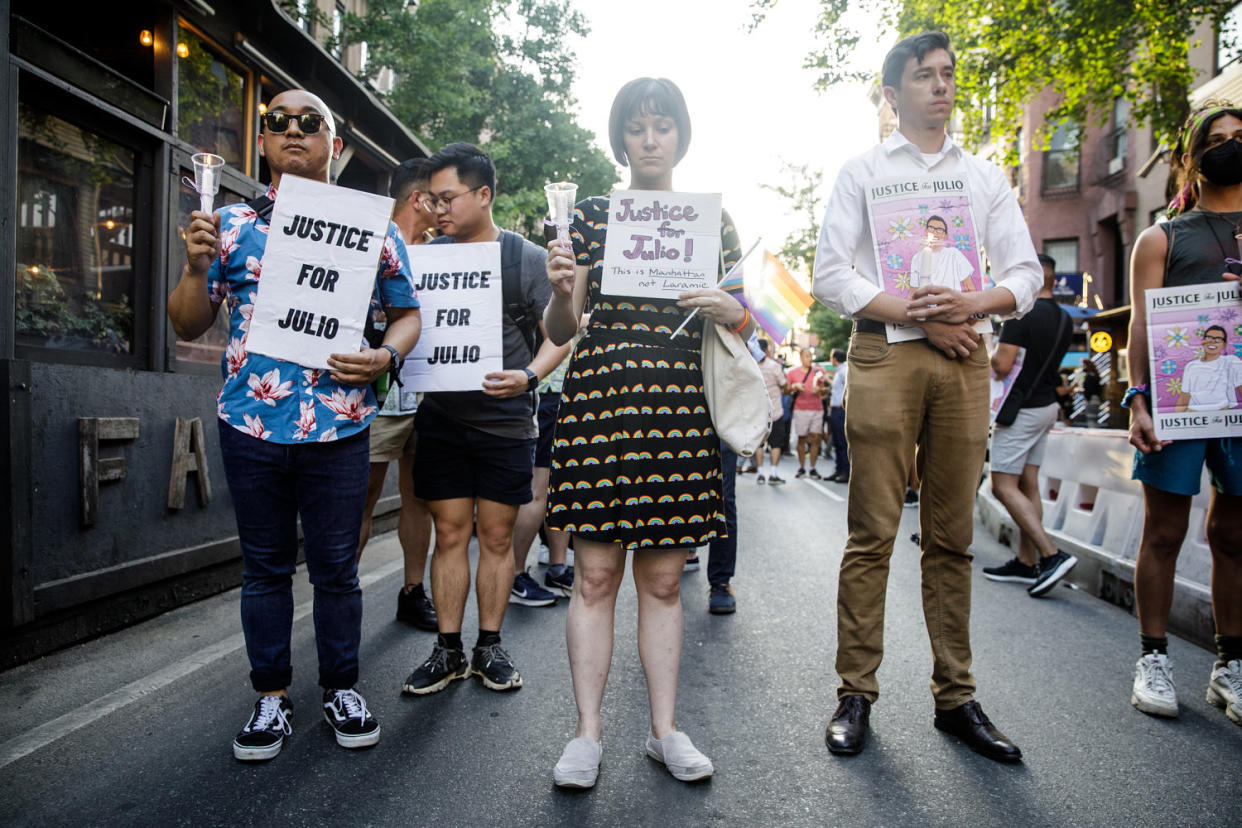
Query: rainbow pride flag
{"points": [[776, 300]]}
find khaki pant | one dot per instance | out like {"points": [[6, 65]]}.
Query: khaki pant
{"points": [[901, 394]]}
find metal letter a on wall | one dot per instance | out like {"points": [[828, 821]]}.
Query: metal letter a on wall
{"points": [[189, 455]]}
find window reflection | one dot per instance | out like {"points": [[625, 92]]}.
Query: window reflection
{"points": [[209, 347], [75, 237], [211, 96]]}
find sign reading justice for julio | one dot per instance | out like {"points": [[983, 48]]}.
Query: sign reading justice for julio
{"points": [[661, 243], [319, 267]]}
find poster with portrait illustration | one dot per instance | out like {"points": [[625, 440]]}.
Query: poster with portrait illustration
{"points": [[1001, 386], [1194, 339], [923, 232]]}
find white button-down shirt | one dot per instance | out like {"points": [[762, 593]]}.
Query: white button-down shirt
{"points": [[845, 276]]}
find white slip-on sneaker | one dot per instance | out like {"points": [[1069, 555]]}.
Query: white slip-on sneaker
{"points": [[683, 760], [1225, 690], [578, 766], [1153, 691]]}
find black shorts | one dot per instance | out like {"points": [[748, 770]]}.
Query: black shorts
{"points": [[549, 405], [452, 460], [778, 437]]}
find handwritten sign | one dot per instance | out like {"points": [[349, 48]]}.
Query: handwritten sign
{"points": [[1194, 342], [460, 294], [318, 272], [1001, 386], [660, 243], [923, 233]]}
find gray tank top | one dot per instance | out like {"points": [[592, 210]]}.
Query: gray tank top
{"points": [[1200, 243]]}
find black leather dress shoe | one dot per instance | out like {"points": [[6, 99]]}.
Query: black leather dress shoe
{"points": [[847, 730], [970, 724]]}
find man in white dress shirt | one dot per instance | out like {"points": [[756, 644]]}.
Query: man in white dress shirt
{"points": [[932, 392]]}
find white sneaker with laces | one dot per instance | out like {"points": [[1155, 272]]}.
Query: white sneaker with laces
{"points": [[683, 760], [578, 766], [1225, 690], [1153, 691]]}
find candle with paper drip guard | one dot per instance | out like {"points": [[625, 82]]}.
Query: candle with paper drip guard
{"points": [[925, 262], [561, 195], [207, 171]]}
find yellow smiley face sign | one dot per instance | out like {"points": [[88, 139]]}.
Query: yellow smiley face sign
{"points": [[1101, 342]]}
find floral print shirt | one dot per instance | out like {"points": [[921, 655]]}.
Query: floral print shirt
{"points": [[272, 399]]}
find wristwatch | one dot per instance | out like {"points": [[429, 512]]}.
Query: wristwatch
{"points": [[395, 365], [532, 379]]}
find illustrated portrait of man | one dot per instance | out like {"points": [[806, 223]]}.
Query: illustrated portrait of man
{"points": [[938, 263], [1213, 381]]}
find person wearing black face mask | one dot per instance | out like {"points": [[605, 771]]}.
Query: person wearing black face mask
{"points": [[1199, 245]]}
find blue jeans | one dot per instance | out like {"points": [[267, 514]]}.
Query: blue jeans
{"points": [[722, 553], [271, 484], [840, 448]]}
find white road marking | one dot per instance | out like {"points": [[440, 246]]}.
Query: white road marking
{"points": [[48, 732], [829, 492]]}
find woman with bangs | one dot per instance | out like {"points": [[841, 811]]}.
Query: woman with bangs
{"points": [[1199, 245], [647, 493]]}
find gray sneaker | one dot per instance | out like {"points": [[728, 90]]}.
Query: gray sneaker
{"points": [[1153, 691], [578, 766], [1225, 690], [676, 752]]}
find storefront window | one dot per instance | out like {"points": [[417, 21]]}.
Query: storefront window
{"points": [[75, 237], [209, 347], [211, 101]]}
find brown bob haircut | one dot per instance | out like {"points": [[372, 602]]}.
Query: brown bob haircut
{"points": [[648, 96]]}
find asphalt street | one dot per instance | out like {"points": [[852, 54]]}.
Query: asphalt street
{"points": [[135, 728]]}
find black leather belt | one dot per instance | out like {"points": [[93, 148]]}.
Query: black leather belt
{"points": [[869, 326]]}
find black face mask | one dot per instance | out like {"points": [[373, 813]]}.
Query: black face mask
{"points": [[1222, 164]]}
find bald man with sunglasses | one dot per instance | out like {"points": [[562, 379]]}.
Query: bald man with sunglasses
{"points": [[285, 451]]}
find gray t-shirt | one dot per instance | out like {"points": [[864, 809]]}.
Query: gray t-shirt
{"points": [[513, 417]]}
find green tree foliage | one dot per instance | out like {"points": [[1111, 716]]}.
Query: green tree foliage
{"points": [[1089, 51], [496, 73], [798, 251]]}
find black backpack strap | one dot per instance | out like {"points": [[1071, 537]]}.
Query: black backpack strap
{"points": [[263, 206], [518, 311]]}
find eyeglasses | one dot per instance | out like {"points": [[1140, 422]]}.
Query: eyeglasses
{"points": [[444, 203], [278, 122], [1214, 338]]}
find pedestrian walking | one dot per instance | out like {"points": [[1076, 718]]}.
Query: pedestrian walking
{"points": [[604, 489], [1197, 246], [289, 465], [1021, 433], [775, 383], [931, 390], [806, 384], [836, 416]]}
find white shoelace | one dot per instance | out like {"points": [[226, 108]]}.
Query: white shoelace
{"points": [[270, 711], [355, 706], [1158, 675], [1233, 677]]}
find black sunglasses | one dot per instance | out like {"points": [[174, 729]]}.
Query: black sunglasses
{"points": [[278, 122]]}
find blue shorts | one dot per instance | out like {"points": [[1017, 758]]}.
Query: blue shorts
{"points": [[1178, 467]]}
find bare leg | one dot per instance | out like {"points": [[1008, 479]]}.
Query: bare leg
{"points": [[657, 579], [802, 446], [1027, 514], [494, 578], [814, 440], [1224, 532], [529, 516], [413, 526], [558, 546], [450, 564], [375, 487], [598, 570], [1165, 518]]}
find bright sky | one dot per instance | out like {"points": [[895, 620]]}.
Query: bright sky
{"points": [[751, 103]]}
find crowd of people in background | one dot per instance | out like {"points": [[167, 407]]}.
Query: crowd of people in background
{"points": [[595, 436]]}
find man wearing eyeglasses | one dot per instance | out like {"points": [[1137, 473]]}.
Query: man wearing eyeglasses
{"points": [[286, 452], [475, 455], [1213, 381]]}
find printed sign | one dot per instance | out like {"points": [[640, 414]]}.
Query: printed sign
{"points": [[660, 244], [923, 232], [1194, 339], [318, 272], [1001, 386], [461, 299]]}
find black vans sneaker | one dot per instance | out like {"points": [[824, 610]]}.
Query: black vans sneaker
{"points": [[347, 712], [264, 735], [437, 671], [493, 665]]}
